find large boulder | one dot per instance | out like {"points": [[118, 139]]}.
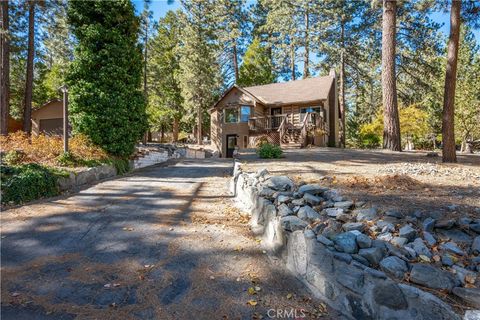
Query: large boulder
{"points": [[280, 183], [394, 266], [293, 223], [307, 213], [312, 189], [470, 295], [431, 277], [346, 242]]}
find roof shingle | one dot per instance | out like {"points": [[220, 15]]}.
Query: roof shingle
{"points": [[305, 90]]}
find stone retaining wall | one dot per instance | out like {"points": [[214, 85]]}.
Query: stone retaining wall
{"points": [[87, 176], [350, 287]]}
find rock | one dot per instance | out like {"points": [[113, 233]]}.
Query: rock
{"points": [[410, 251], [284, 210], [343, 217], [266, 192], [349, 226], [394, 266], [343, 204], [345, 257], [420, 248], [307, 213], [312, 189], [475, 227], [292, 223], [465, 221], [373, 255], [385, 226], [296, 209], [452, 247], [332, 229], [399, 241], [428, 224], [363, 241], [309, 234], [461, 273], [431, 277], [333, 212], [360, 259], [324, 240], [261, 173], [407, 232], [318, 228], [282, 199], [311, 199], [429, 238], [390, 295], [470, 295], [281, 183], [366, 214], [476, 245], [387, 237], [346, 242], [455, 235], [355, 232], [394, 213], [298, 202], [472, 315], [447, 260], [445, 224]]}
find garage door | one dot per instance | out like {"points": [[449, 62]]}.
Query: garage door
{"points": [[51, 126]]}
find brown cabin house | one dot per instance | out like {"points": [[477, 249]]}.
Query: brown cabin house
{"points": [[291, 114]]}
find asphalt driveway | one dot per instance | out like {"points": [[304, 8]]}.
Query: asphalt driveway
{"points": [[161, 243]]}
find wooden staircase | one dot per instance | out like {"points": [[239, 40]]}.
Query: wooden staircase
{"points": [[292, 138]]}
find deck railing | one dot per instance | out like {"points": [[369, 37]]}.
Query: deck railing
{"points": [[266, 122]]}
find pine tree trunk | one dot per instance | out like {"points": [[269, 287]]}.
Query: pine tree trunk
{"points": [[199, 125], [342, 84], [175, 129], [391, 122], [292, 60], [145, 57], [448, 133], [235, 61], [27, 107], [4, 69], [306, 72]]}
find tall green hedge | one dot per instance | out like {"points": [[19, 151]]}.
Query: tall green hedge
{"points": [[106, 101]]}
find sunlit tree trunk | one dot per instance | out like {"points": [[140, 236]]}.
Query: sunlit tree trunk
{"points": [[4, 68], [306, 71], [448, 133], [27, 107], [292, 60], [342, 83], [391, 122], [199, 126]]}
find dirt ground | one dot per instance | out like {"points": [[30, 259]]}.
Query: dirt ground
{"points": [[407, 181], [160, 243]]}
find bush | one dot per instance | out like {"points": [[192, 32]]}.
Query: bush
{"points": [[48, 150], [28, 182], [370, 141], [13, 157], [122, 165], [269, 151]]}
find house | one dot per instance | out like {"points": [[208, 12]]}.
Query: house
{"points": [[48, 118], [291, 114]]}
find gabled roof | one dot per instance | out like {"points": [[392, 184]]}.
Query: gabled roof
{"points": [[47, 103], [305, 90]]}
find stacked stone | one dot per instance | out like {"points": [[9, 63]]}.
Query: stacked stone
{"points": [[357, 257]]}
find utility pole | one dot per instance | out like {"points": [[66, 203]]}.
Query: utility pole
{"points": [[64, 89]]}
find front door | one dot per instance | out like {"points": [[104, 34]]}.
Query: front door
{"points": [[276, 119], [231, 144]]}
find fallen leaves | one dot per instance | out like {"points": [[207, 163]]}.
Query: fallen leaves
{"points": [[128, 229], [253, 303]]}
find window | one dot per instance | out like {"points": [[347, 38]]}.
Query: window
{"points": [[314, 109], [244, 113], [231, 115], [245, 142]]}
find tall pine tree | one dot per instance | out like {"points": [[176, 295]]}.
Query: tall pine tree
{"points": [[105, 78]]}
